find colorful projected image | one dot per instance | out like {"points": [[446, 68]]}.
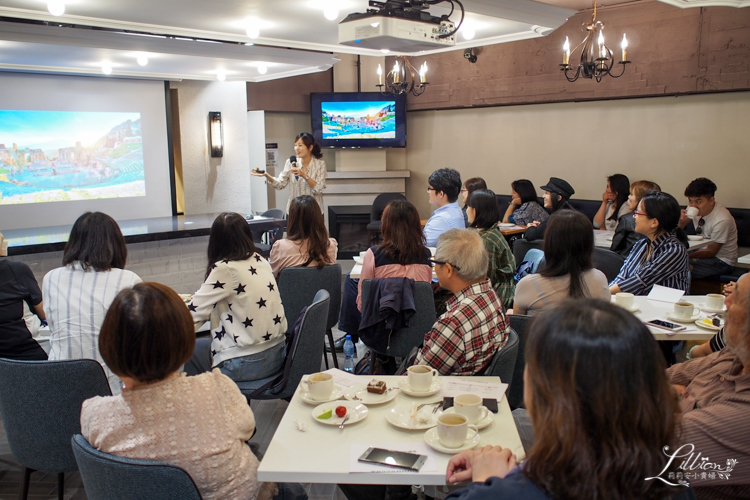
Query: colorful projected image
{"points": [[69, 155], [359, 120]]}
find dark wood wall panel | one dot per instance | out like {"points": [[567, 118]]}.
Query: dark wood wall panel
{"points": [[288, 94]]}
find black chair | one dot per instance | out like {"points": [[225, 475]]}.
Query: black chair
{"points": [[521, 246], [504, 361], [108, 477], [264, 248], [519, 323], [607, 262], [376, 212], [40, 402]]}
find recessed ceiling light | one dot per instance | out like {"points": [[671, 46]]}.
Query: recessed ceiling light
{"points": [[221, 77], [331, 13], [249, 44], [56, 8], [262, 70], [468, 32], [142, 60], [385, 51], [374, 25], [252, 32], [107, 69]]}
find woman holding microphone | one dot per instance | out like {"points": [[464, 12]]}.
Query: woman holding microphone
{"points": [[306, 171]]}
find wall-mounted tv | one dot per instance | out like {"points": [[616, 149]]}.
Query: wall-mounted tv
{"points": [[358, 120]]}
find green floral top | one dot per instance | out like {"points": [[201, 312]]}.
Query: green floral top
{"points": [[502, 265]]}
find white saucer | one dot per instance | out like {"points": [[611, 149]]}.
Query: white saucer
{"points": [[400, 416], [695, 237], [707, 326], [487, 420], [305, 396], [633, 308], [404, 386], [672, 317], [716, 311], [505, 224], [431, 438], [369, 398], [356, 411]]}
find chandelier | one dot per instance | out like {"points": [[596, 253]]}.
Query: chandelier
{"points": [[597, 61], [403, 78]]}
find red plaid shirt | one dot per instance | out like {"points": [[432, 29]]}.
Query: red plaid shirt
{"points": [[464, 339]]}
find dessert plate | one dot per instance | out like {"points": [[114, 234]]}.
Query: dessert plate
{"points": [[706, 323], [356, 411], [716, 311], [305, 396], [400, 416], [404, 386], [431, 438], [359, 393]]}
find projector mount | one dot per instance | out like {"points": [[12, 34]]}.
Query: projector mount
{"points": [[414, 10]]}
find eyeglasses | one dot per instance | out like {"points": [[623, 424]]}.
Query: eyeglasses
{"points": [[639, 214], [699, 229], [442, 263], [431, 189]]}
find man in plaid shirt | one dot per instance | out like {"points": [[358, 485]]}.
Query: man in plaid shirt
{"points": [[464, 339]]}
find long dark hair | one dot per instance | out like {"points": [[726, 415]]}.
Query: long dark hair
{"points": [[231, 239], [487, 210], [620, 184], [306, 223], [96, 242], [525, 190], [568, 245], [308, 140], [403, 239], [559, 202], [472, 185], [597, 436]]}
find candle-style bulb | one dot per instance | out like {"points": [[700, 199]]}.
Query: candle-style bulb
{"points": [[601, 38], [566, 51], [423, 73], [380, 75], [624, 46]]}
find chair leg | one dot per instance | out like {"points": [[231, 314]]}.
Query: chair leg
{"points": [[25, 483], [325, 355], [372, 361], [333, 350], [60, 485]]}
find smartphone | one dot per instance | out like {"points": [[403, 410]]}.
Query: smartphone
{"points": [[390, 458], [666, 325], [259, 170]]}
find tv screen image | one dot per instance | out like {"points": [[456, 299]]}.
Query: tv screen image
{"points": [[359, 120], [50, 156]]}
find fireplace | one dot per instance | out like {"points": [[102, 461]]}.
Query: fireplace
{"points": [[348, 224]]}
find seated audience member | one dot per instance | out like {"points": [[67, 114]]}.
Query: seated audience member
{"points": [[445, 184], [242, 301], [715, 404], [465, 338], [557, 192], [307, 242], [594, 436], [200, 424], [484, 213], [714, 222], [77, 295], [660, 258], [21, 310], [625, 234], [470, 186], [614, 202], [568, 270], [524, 208]]}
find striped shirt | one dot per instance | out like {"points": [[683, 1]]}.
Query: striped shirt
{"points": [[502, 265], [667, 265], [75, 302], [715, 409]]}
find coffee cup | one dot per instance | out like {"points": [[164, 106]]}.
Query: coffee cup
{"points": [[452, 429], [715, 301], [420, 377], [625, 300], [691, 212], [685, 310], [319, 386], [470, 406]]}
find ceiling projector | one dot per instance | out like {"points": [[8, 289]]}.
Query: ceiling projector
{"points": [[399, 26]]}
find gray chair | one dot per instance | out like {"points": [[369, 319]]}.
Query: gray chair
{"points": [[40, 402], [504, 361], [264, 247], [607, 262], [404, 340], [305, 353], [519, 323], [298, 286], [109, 477], [376, 212]]}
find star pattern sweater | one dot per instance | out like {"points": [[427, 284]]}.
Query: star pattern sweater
{"points": [[242, 300]]}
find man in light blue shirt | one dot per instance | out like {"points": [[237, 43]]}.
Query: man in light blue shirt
{"points": [[445, 185]]}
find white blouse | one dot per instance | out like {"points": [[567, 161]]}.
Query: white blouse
{"points": [[316, 170]]}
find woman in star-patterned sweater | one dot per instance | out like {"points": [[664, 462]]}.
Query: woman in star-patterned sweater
{"points": [[242, 300]]}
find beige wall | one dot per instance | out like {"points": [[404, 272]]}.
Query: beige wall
{"points": [[670, 140]]}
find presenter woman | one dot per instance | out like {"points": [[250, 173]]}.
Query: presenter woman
{"points": [[307, 174]]}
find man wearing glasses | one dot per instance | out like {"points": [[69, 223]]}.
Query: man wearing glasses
{"points": [[714, 222], [443, 190]]}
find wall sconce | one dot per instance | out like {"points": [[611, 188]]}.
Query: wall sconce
{"points": [[215, 134]]}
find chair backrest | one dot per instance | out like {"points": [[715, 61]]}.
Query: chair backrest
{"points": [[274, 213], [504, 361], [519, 323], [381, 201], [521, 246], [404, 340], [298, 287], [265, 248], [607, 262], [40, 402], [109, 477]]}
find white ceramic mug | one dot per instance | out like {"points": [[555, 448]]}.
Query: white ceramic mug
{"points": [[452, 429], [624, 299], [691, 212], [715, 301], [685, 310], [420, 377], [319, 386], [470, 406]]}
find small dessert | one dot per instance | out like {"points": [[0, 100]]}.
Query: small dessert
{"points": [[376, 387]]}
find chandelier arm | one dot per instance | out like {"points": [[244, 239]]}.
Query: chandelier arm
{"points": [[578, 72]]}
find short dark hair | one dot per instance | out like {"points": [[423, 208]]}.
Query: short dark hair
{"points": [[96, 242], [700, 187], [484, 202], [448, 181], [309, 140], [471, 185], [230, 239], [306, 223], [620, 184], [147, 333], [663, 207], [568, 246], [525, 189]]}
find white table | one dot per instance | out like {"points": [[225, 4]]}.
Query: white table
{"points": [[357, 269], [603, 239], [321, 455], [745, 259], [652, 309]]}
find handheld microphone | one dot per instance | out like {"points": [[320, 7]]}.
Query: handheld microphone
{"points": [[293, 161]]}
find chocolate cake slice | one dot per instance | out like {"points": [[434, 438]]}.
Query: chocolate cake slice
{"points": [[376, 386]]}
